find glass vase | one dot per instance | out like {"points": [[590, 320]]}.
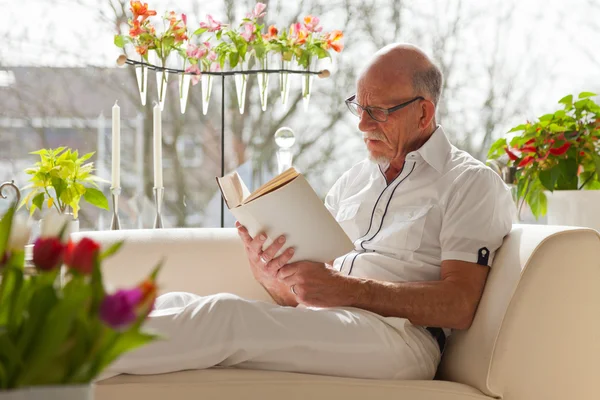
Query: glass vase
{"points": [[184, 85], [263, 80], [162, 78], [141, 74], [307, 81], [241, 81], [207, 82], [284, 80]]}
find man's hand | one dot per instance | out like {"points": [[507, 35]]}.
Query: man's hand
{"points": [[264, 265], [316, 284]]}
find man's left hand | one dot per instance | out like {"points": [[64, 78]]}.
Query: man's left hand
{"points": [[316, 284]]}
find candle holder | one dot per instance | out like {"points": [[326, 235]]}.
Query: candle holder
{"points": [[158, 199], [115, 224]]}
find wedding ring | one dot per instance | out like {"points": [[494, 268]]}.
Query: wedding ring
{"points": [[293, 291], [263, 259]]}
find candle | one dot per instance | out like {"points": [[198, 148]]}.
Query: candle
{"points": [[158, 177], [116, 146]]}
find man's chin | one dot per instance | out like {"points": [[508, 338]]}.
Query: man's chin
{"points": [[378, 159]]}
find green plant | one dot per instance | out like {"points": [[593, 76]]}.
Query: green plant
{"points": [[61, 331], [558, 152], [60, 179]]}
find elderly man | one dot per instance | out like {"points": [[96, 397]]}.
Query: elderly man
{"points": [[425, 218]]}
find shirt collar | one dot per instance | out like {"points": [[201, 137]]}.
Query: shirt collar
{"points": [[435, 151]]}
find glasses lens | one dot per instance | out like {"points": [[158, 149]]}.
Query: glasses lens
{"points": [[378, 114], [354, 108]]}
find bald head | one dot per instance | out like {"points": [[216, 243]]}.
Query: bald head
{"points": [[403, 67]]}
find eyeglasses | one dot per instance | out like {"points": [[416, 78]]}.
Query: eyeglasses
{"points": [[377, 113]]}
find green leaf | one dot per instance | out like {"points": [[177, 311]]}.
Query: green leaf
{"points": [[218, 35], [585, 95], [96, 198], [537, 202], [233, 59], [111, 250], [5, 228], [597, 163], [518, 128], [199, 31], [549, 177], [124, 343], [119, 42], [567, 100], [497, 148]]}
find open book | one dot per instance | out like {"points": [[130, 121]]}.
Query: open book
{"points": [[287, 205]]}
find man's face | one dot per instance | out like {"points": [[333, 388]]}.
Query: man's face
{"points": [[387, 140]]}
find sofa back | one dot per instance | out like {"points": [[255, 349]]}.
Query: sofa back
{"points": [[536, 333]]}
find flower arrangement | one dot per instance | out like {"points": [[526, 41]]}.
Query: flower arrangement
{"points": [[60, 180], [558, 152], [63, 330], [215, 43]]}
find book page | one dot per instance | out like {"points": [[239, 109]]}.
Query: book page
{"points": [[233, 189], [285, 177]]}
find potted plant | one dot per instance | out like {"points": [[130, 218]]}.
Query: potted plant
{"points": [[60, 328], [557, 161], [60, 180]]}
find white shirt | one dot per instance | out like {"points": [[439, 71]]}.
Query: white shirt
{"points": [[444, 205]]}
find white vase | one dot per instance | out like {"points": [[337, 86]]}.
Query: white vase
{"points": [[307, 81], [284, 80], [66, 392], [206, 81], [141, 74], [263, 80], [162, 80], [241, 81], [574, 208]]}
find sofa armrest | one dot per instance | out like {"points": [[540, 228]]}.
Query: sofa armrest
{"points": [[536, 334], [197, 260]]}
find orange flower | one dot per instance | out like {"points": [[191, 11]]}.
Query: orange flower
{"points": [[272, 33], [332, 39], [141, 50], [141, 10], [136, 29]]}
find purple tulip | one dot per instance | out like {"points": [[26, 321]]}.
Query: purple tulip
{"points": [[119, 309]]}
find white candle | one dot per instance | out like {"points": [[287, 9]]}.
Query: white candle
{"points": [[158, 176], [116, 146]]}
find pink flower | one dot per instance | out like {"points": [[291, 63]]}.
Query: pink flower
{"points": [[248, 33], [194, 69], [258, 11], [212, 25], [197, 52], [215, 67], [312, 24], [118, 310], [212, 56], [184, 18]]}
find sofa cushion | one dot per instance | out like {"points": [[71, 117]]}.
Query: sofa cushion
{"points": [[231, 383]]}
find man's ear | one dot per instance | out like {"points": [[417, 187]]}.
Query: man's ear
{"points": [[427, 113]]}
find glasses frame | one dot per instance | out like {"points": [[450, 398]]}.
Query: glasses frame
{"points": [[387, 111]]}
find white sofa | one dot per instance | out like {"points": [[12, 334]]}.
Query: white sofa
{"points": [[536, 334]]}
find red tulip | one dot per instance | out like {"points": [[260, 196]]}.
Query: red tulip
{"points": [[559, 151], [526, 161], [48, 253], [81, 256]]}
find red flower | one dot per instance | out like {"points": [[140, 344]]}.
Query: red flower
{"points": [[48, 253], [529, 149], [136, 29], [559, 151], [81, 256], [511, 155], [141, 10], [526, 161]]}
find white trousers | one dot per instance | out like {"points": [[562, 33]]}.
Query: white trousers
{"points": [[226, 330]]}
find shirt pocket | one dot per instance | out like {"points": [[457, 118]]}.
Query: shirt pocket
{"points": [[408, 225], [346, 217]]}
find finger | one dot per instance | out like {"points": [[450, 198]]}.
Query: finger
{"points": [[275, 264], [257, 243], [243, 233], [286, 272], [270, 252]]}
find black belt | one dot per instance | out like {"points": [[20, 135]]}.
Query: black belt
{"points": [[439, 335]]}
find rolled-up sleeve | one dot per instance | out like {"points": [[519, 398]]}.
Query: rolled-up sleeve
{"points": [[478, 215]]}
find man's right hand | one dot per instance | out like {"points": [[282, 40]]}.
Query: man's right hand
{"points": [[265, 265]]}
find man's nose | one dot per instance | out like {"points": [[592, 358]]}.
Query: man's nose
{"points": [[366, 123]]}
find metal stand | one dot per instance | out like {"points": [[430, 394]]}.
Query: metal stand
{"points": [[158, 200], [115, 224], [122, 60]]}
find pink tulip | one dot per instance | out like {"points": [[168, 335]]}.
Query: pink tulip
{"points": [[212, 25], [195, 69], [248, 33]]}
